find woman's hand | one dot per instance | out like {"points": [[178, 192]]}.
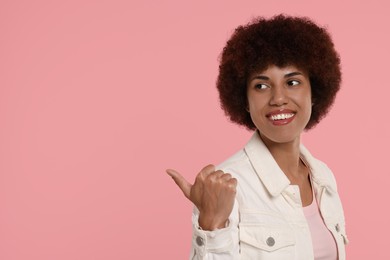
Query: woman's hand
{"points": [[212, 193]]}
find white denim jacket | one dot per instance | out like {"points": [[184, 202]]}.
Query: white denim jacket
{"points": [[267, 221]]}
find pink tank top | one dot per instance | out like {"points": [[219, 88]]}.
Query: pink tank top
{"points": [[324, 245]]}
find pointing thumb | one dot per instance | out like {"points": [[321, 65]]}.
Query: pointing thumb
{"points": [[183, 184]]}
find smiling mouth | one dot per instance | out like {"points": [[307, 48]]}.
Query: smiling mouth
{"points": [[281, 116]]}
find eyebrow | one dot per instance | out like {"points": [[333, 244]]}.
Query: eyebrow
{"points": [[262, 77], [292, 74]]}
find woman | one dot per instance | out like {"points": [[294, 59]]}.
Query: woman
{"points": [[272, 199]]}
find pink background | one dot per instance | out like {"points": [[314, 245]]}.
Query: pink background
{"points": [[98, 98]]}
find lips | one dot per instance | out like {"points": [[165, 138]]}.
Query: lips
{"points": [[281, 117]]}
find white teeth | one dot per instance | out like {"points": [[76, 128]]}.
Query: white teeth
{"points": [[281, 116]]}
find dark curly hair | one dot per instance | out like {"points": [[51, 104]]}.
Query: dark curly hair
{"points": [[281, 41]]}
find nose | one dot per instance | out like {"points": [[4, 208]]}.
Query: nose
{"points": [[279, 96]]}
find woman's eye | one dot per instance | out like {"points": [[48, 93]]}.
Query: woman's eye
{"points": [[293, 82], [261, 86]]}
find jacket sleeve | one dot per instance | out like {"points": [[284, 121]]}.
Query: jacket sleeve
{"points": [[221, 244]]}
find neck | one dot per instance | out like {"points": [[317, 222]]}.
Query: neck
{"points": [[287, 156]]}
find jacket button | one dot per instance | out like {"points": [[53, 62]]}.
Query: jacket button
{"points": [[337, 227], [199, 241], [270, 241]]}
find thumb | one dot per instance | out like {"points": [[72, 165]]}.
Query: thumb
{"points": [[183, 184]]}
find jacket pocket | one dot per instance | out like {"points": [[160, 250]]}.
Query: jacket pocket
{"points": [[266, 238], [265, 235]]}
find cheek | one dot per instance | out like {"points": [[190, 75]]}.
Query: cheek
{"points": [[256, 102], [306, 99], [308, 107], [251, 106], [255, 110]]}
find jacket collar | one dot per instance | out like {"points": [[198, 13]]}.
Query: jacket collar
{"points": [[319, 172], [270, 173]]}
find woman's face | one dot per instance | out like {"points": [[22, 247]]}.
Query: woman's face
{"points": [[279, 102]]}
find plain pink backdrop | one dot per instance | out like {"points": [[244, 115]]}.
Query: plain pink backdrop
{"points": [[98, 98]]}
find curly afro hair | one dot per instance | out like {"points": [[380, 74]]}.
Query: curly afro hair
{"points": [[281, 41]]}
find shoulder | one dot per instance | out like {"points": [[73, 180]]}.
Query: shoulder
{"points": [[240, 167], [236, 160], [326, 172], [235, 164]]}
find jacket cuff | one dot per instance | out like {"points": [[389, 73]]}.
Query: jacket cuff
{"points": [[216, 241]]}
